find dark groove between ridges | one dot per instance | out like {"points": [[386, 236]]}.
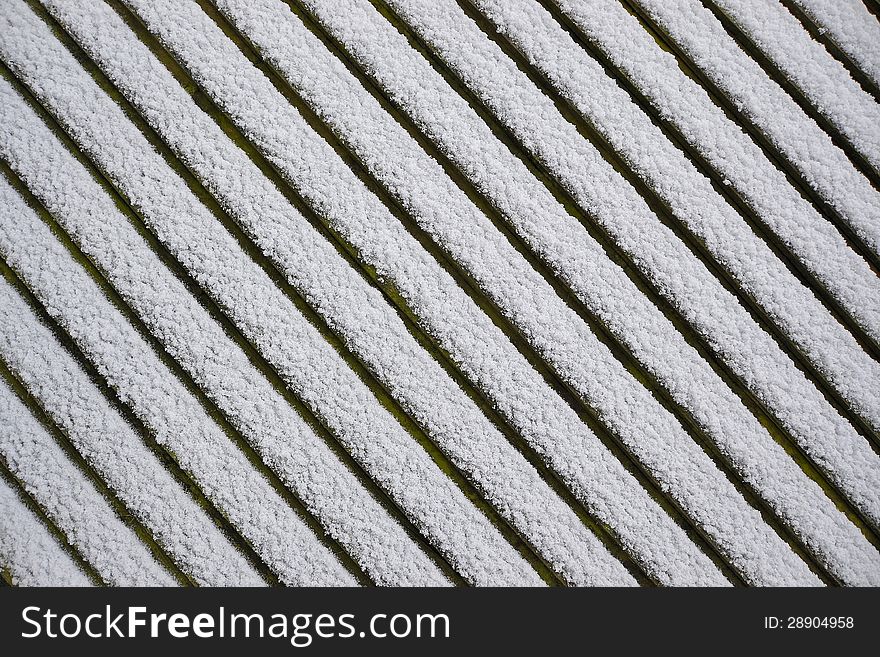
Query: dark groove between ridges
{"points": [[142, 532], [749, 399], [43, 517], [689, 422], [664, 212], [772, 70], [211, 408], [569, 395], [659, 393], [164, 454], [789, 348], [661, 303], [873, 7], [422, 436], [798, 269], [256, 359], [166, 457], [755, 310], [781, 161], [336, 341], [836, 51], [411, 320], [554, 382], [463, 277], [482, 399], [588, 319]]}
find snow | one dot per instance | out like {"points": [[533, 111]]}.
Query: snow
{"points": [[271, 321], [370, 341], [110, 445], [653, 435], [424, 390], [689, 379], [792, 133], [424, 191], [851, 27], [824, 81], [483, 353], [303, 461], [675, 95], [157, 397], [717, 225], [845, 456], [28, 552], [812, 240], [72, 501]]}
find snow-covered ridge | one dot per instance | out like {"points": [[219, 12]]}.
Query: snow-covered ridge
{"points": [[72, 500], [101, 435], [851, 27], [160, 400], [654, 248], [581, 261], [30, 553], [824, 81], [794, 135], [600, 459]]}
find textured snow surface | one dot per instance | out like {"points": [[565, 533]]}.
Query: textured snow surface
{"points": [[107, 442], [794, 135], [337, 289], [823, 80], [470, 337], [735, 158], [330, 490], [693, 200], [72, 501], [688, 377], [666, 260], [31, 555], [173, 414], [271, 320], [851, 27], [450, 417]]}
